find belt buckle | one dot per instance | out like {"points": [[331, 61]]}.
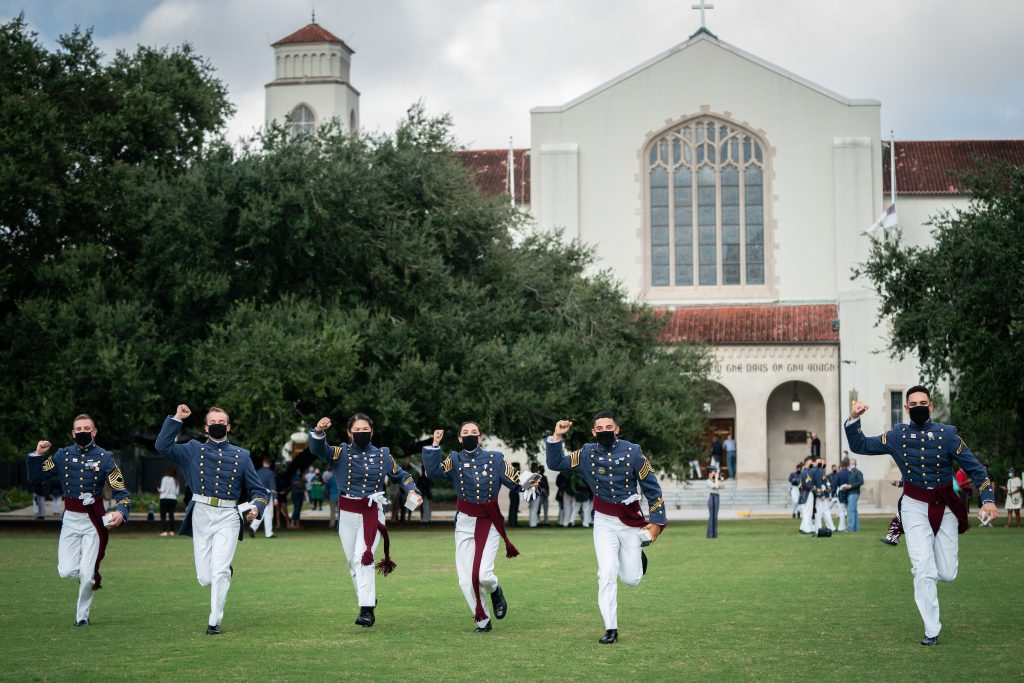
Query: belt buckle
{"points": [[215, 502]]}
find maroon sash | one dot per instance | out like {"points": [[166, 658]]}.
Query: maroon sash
{"points": [[371, 526], [486, 514], [629, 515], [95, 512], [938, 499]]}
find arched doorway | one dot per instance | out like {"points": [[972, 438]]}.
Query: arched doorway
{"points": [[720, 408], [794, 410]]}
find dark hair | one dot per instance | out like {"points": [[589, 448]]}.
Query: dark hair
{"points": [[359, 416], [601, 415], [170, 472], [845, 462], [83, 416], [470, 422], [917, 388]]}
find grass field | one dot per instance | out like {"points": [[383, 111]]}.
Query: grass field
{"points": [[761, 603]]}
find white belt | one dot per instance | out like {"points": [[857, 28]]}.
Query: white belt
{"points": [[215, 502]]}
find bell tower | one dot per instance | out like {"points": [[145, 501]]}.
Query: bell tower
{"points": [[312, 81]]}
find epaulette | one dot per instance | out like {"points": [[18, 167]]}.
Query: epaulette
{"points": [[574, 457], [337, 452]]}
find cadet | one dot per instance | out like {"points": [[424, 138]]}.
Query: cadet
{"points": [[360, 469], [477, 476], [214, 471], [794, 490], [807, 485], [613, 468], [269, 481], [930, 511], [82, 469]]}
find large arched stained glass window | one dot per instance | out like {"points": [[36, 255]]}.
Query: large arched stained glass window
{"points": [[303, 122], [707, 196]]}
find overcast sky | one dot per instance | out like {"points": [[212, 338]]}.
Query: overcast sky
{"points": [[943, 69]]}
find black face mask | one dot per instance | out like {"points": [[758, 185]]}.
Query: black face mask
{"points": [[83, 439], [217, 431], [606, 439], [470, 443], [362, 439], [919, 415]]}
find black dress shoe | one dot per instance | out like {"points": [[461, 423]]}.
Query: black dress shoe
{"points": [[888, 542], [81, 622], [610, 636], [929, 642], [499, 603], [643, 560], [231, 568], [484, 629], [213, 630], [365, 617]]}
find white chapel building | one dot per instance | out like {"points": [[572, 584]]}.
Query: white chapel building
{"points": [[733, 195]]}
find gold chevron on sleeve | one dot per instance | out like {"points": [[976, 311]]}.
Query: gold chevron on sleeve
{"points": [[446, 464], [49, 464], [986, 485], [512, 473], [337, 452], [116, 479], [885, 437], [660, 502], [961, 448], [574, 458], [262, 500], [408, 480], [645, 469]]}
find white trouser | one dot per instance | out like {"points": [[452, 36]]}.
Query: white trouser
{"points": [[76, 556], [824, 514], [268, 521], [571, 508], [425, 511], [933, 557], [588, 512], [214, 537], [694, 469], [58, 503], [535, 507], [794, 497], [841, 509], [350, 531], [807, 524], [465, 528], [618, 557]]}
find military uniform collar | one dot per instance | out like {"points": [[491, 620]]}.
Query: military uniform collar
{"points": [[84, 451], [370, 448], [929, 424], [218, 444], [473, 453]]}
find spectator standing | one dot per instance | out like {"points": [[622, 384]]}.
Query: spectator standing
{"points": [[715, 486], [964, 482], [283, 488], [513, 502], [266, 476], [716, 454], [1014, 497], [426, 486], [56, 497], [316, 491], [565, 498], [331, 483], [730, 454], [298, 498], [853, 496], [842, 488], [168, 493], [541, 501], [815, 446], [39, 498]]}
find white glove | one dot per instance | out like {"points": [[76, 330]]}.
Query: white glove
{"points": [[380, 498], [529, 494], [87, 499], [635, 498]]}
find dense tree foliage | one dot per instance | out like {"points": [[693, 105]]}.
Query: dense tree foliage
{"points": [[153, 264], [958, 305]]}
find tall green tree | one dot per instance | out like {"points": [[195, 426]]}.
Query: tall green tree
{"points": [[958, 306]]}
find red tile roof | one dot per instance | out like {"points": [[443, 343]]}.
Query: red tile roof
{"points": [[490, 168], [925, 166], [753, 324], [312, 33]]}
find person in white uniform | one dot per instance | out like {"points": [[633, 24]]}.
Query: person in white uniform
{"points": [[82, 469], [931, 513], [214, 470], [614, 469], [362, 471]]}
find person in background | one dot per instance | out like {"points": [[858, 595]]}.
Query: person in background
{"points": [[716, 453], [39, 498], [57, 497], [331, 482], [794, 490], [1014, 498], [841, 487], [715, 486], [853, 495], [562, 494], [426, 486], [269, 481], [316, 491], [513, 502], [168, 493], [963, 480], [815, 446], [730, 454], [541, 501], [282, 486], [298, 498]]}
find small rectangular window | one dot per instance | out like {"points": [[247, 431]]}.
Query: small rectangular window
{"points": [[895, 407]]}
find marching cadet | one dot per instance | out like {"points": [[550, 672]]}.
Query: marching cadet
{"points": [[613, 468], [360, 470], [478, 476], [930, 511], [794, 490], [82, 469], [214, 472]]}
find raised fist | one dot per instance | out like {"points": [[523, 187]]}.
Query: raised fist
{"points": [[858, 410], [438, 435], [323, 424], [42, 447], [183, 412], [562, 428]]}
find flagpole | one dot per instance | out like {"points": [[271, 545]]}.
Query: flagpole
{"points": [[892, 173]]}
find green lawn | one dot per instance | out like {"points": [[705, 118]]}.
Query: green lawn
{"points": [[761, 603]]}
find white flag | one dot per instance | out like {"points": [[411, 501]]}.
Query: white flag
{"points": [[886, 220]]}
